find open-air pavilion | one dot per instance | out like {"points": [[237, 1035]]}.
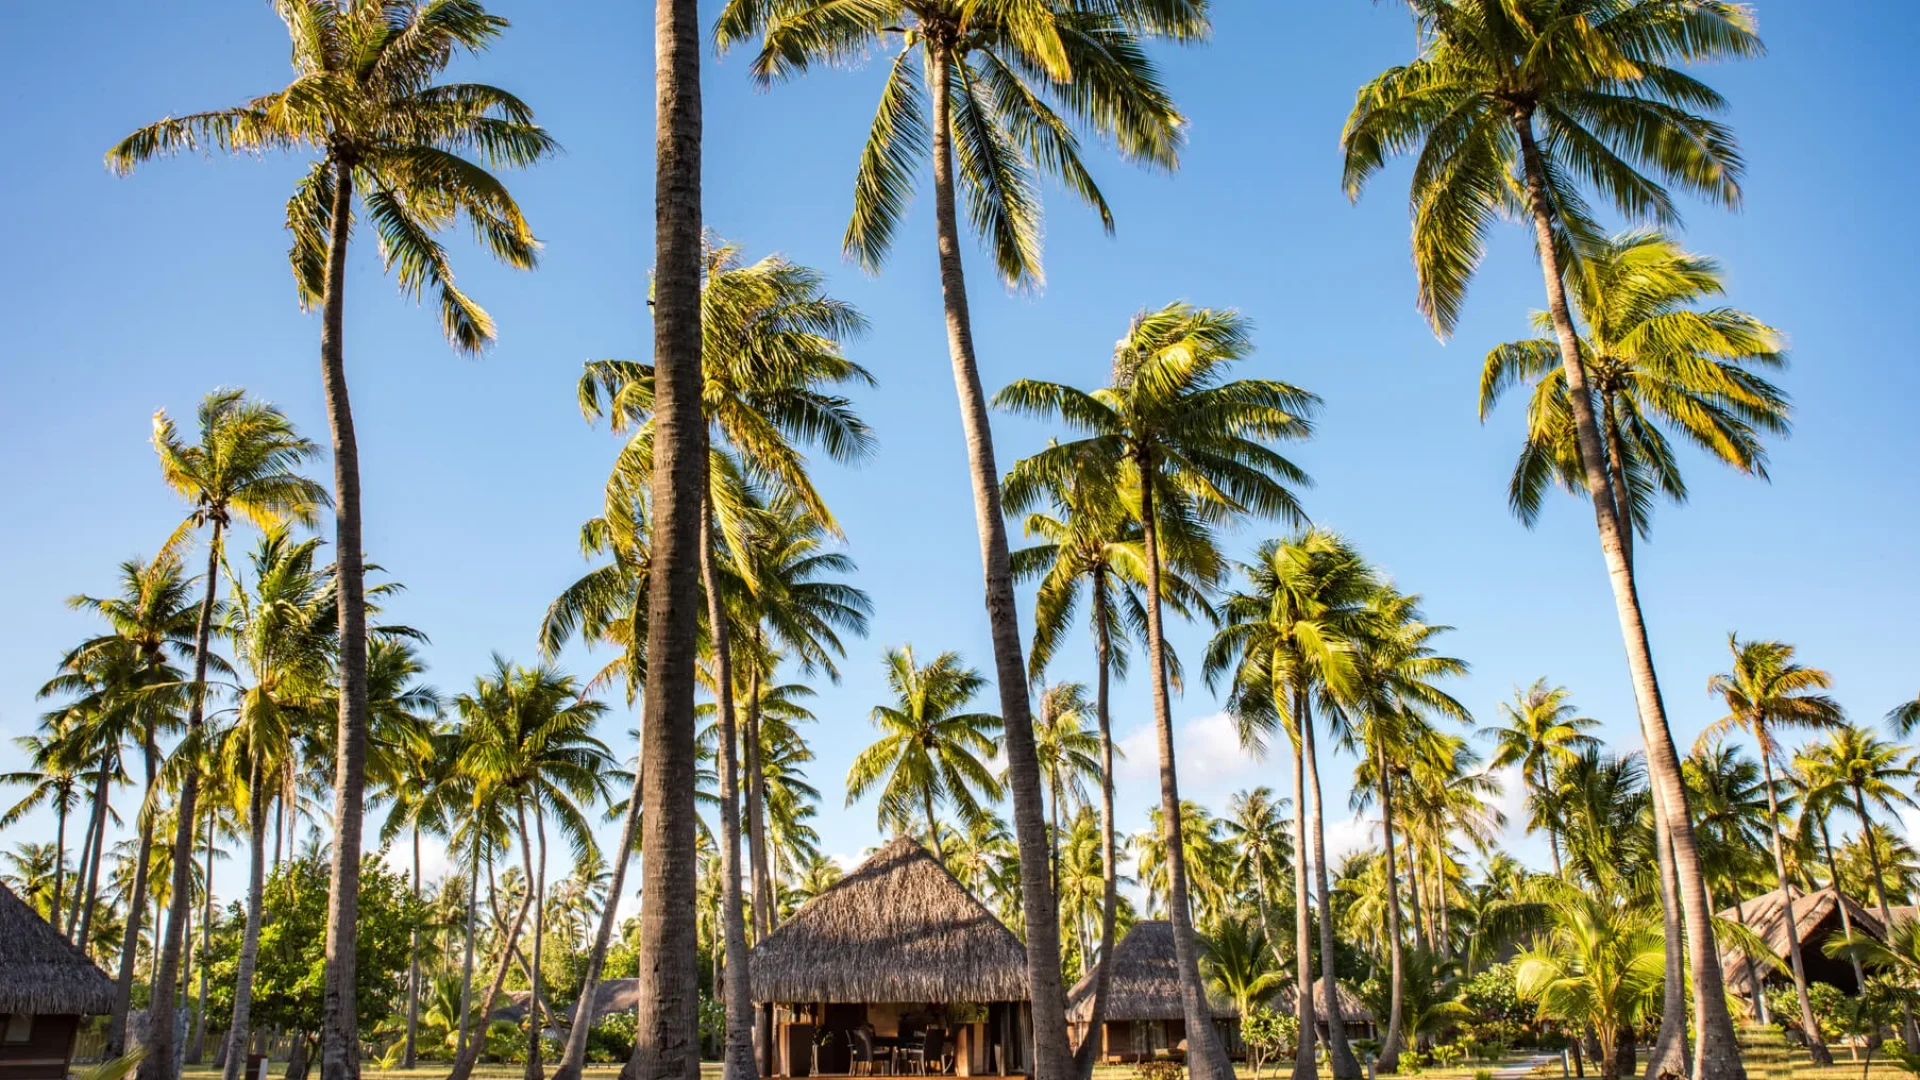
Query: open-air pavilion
{"points": [[1145, 1016]]}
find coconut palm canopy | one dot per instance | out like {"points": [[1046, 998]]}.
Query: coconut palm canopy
{"points": [[898, 927], [40, 971], [1146, 980]]}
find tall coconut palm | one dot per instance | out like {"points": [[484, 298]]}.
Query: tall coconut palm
{"points": [[1004, 90], [365, 100], [92, 728], [1255, 830], [151, 623], [245, 463], [1291, 636], [1768, 691], [52, 779], [929, 751], [1513, 108], [1539, 729], [1065, 749], [530, 752], [415, 802], [1194, 441]]}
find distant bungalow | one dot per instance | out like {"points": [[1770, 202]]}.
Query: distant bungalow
{"points": [[47, 984], [1817, 921], [894, 969], [1145, 1016]]}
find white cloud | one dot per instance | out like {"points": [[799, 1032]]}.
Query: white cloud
{"points": [[1346, 836], [1207, 752]]}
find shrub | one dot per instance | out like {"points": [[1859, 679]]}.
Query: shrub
{"points": [[1159, 1070]]}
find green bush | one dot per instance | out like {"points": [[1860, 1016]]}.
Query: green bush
{"points": [[611, 1039], [1159, 1070]]}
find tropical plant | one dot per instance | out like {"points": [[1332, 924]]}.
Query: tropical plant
{"points": [[1513, 107], [365, 100], [1540, 729], [1599, 966], [929, 751], [1767, 691], [1240, 963], [1008, 85]]}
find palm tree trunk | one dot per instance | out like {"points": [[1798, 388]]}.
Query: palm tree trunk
{"points": [[1095, 1038], [1418, 914], [738, 1059], [136, 913], [466, 973], [81, 921], [1909, 1033], [1669, 1056], [764, 904], [408, 1056], [537, 885], [1304, 1067], [1754, 986], [1345, 1065], [667, 1038], [340, 1021], [1051, 1057], [1716, 1052], [933, 827], [198, 1051], [510, 935], [1053, 839], [1396, 1009], [1553, 834], [238, 1029], [574, 1058], [1206, 1058], [1816, 1047], [59, 861], [158, 1064], [1840, 898]]}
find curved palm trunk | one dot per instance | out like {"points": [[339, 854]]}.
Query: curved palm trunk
{"points": [[1816, 1046], [1669, 1056], [408, 1055], [466, 972], [198, 1051], [1754, 986], [238, 1029], [340, 1021], [1846, 919], [1051, 1057], [1910, 1034], [1345, 1065], [59, 863], [737, 1058], [537, 884], [574, 1058], [1206, 1058], [765, 907], [158, 1064], [463, 1062], [1553, 834], [136, 915], [667, 1037], [1303, 1056], [81, 921], [1396, 1016], [933, 826], [1716, 1053], [1095, 1039]]}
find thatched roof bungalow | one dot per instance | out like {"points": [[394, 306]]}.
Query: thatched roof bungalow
{"points": [[896, 955], [47, 985], [1817, 920], [1145, 1014]]}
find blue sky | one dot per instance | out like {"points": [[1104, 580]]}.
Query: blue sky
{"points": [[126, 295]]}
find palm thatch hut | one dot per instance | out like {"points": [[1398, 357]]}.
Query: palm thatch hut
{"points": [[895, 965], [1817, 920], [1145, 1015], [1359, 1020], [46, 986]]}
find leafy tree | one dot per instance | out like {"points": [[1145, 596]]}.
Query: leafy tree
{"points": [[929, 751], [1513, 108], [365, 100], [1599, 966], [1540, 728]]}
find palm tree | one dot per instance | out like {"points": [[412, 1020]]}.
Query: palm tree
{"points": [[1240, 963], [1510, 106], [1541, 729], [52, 778], [366, 101], [1065, 749], [1653, 360], [32, 870], [1255, 831], [1765, 692], [150, 621], [998, 78], [929, 752], [1294, 635], [1193, 442], [1207, 861], [1599, 966], [246, 463], [416, 802]]}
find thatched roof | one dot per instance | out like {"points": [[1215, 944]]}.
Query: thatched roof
{"points": [[1765, 915], [609, 996], [1352, 1009], [896, 928], [1146, 980], [42, 972]]}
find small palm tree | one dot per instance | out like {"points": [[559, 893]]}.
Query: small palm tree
{"points": [[365, 100], [1065, 749], [52, 779], [1540, 729], [1512, 108], [1240, 963], [1599, 965], [1765, 692], [929, 751]]}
